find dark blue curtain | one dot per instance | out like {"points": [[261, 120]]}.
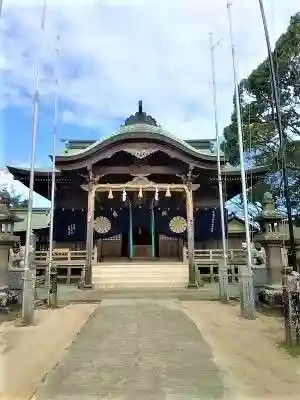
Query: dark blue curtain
{"points": [[117, 218], [164, 213], [207, 224], [69, 225]]}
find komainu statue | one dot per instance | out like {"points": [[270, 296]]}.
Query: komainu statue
{"points": [[16, 256], [258, 253]]}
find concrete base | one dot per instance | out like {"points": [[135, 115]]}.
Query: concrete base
{"points": [[260, 279], [28, 297], [192, 285], [247, 297], [15, 277]]}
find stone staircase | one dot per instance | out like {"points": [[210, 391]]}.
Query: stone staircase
{"points": [[140, 275]]}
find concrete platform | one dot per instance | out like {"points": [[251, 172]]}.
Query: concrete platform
{"points": [[71, 293]]}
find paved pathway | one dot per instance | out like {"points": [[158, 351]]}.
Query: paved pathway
{"points": [[135, 350]]}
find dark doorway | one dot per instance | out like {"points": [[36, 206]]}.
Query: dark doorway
{"points": [[141, 236], [125, 244]]}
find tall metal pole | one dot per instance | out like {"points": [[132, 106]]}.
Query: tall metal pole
{"points": [[51, 278], [247, 289], [223, 275], [28, 298], [282, 143]]}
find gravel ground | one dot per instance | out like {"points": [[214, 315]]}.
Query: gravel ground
{"points": [[28, 353], [247, 351]]}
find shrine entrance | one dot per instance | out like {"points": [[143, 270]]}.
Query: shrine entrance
{"points": [[141, 244], [149, 223]]}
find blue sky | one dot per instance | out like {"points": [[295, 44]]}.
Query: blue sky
{"points": [[113, 53]]}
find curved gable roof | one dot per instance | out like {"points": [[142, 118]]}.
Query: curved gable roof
{"points": [[139, 132]]}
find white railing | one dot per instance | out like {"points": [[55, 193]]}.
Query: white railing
{"points": [[69, 263], [63, 256], [207, 263], [213, 255]]}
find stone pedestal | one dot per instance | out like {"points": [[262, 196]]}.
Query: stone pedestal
{"points": [[15, 280], [7, 239], [6, 242], [271, 238], [260, 279], [274, 261]]}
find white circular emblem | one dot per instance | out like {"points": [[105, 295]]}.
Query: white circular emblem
{"points": [[102, 225], [178, 224]]}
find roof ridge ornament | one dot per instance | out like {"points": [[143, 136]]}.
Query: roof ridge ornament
{"points": [[140, 117]]}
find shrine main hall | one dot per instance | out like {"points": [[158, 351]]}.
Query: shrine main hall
{"points": [[142, 193]]}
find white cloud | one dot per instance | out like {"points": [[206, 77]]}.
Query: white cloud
{"points": [[114, 53], [7, 181]]}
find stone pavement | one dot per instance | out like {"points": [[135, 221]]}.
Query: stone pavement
{"points": [[135, 349]]}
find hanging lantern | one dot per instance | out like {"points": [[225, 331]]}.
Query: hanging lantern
{"points": [[110, 194], [140, 195], [124, 195], [156, 195], [168, 193]]}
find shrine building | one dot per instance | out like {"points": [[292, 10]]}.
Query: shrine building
{"points": [[142, 193]]}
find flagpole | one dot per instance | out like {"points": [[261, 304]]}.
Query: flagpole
{"points": [[51, 277], [28, 296], [247, 288], [223, 275]]}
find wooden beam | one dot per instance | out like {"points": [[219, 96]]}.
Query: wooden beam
{"points": [[138, 170]]}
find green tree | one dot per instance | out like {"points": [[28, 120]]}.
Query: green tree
{"points": [[261, 141], [16, 200]]}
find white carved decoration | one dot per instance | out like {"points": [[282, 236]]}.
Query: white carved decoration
{"points": [[141, 181], [16, 257], [102, 225], [140, 153], [178, 224]]}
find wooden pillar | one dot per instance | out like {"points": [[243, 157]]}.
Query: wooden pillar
{"points": [[190, 236], [89, 236], [152, 231]]}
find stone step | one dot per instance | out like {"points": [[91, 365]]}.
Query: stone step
{"points": [[140, 266], [140, 285], [140, 279], [140, 275]]}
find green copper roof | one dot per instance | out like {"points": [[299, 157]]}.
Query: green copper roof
{"points": [[40, 219], [142, 128]]}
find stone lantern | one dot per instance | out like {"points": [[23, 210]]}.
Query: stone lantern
{"points": [[271, 238], [7, 238]]}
